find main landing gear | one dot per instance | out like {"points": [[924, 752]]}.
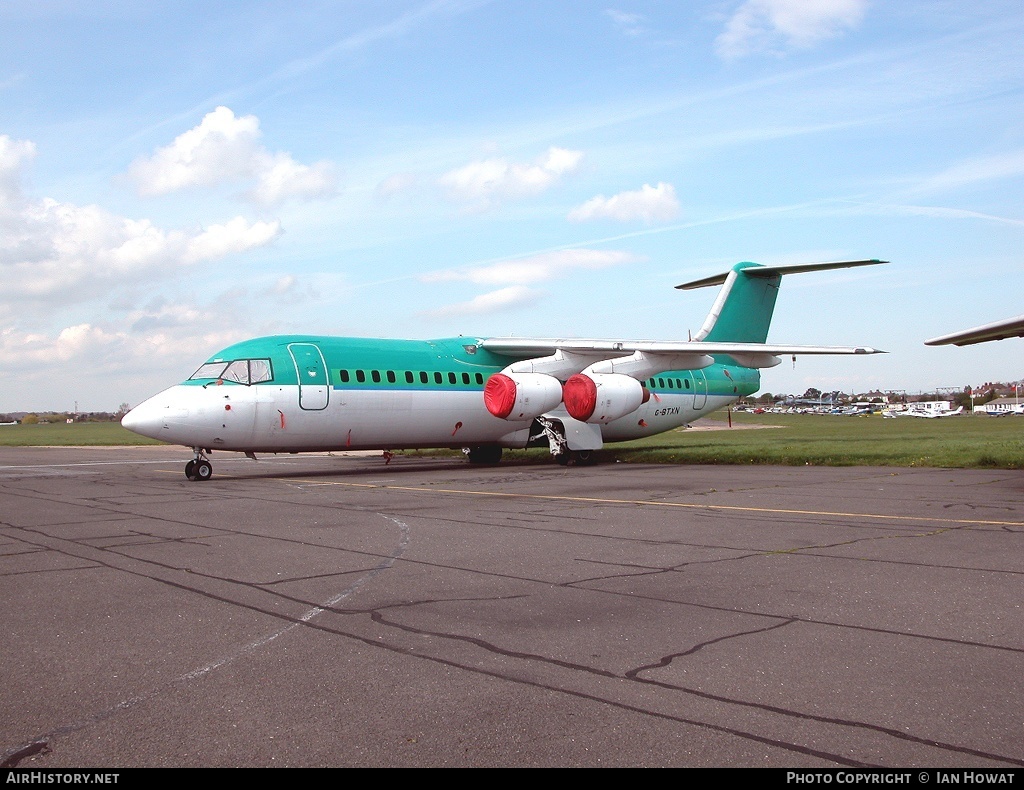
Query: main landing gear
{"points": [[554, 432], [199, 468], [575, 458]]}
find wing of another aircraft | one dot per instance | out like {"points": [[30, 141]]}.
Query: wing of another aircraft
{"points": [[998, 330]]}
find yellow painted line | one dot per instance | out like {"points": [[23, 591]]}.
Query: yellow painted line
{"points": [[648, 503]]}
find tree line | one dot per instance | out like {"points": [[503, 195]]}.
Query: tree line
{"points": [[37, 418]]}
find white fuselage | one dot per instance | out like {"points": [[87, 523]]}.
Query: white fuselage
{"points": [[270, 418]]}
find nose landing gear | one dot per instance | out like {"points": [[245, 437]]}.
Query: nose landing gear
{"points": [[199, 468]]}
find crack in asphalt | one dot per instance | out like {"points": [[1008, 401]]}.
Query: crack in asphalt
{"points": [[378, 615]]}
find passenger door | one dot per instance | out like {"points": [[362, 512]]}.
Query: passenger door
{"points": [[311, 369], [700, 389]]}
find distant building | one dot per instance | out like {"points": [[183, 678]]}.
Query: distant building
{"points": [[874, 396], [1001, 406], [930, 406]]}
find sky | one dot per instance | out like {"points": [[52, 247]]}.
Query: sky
{"points": [[178, 176]]}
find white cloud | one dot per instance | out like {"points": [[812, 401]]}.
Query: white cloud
{"points": [[150, 346], [942, 212], [14, 155], [760, 25], [236, 236], [161, 314], [489, 181], [19, 348], [650, 204], [514, 296], [280, 177], [224, 148], [128, 357], [537, 268], [59, 252], [285, 284], [630, 24], [973, 171], [396, 184], [518, 275]]}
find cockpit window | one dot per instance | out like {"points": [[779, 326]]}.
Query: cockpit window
{"points": [[211, 370], [237, 371], [260, 370], [241, 371]]}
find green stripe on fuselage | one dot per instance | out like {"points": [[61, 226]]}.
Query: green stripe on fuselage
{"points": [[456, 355], [450, 355]]}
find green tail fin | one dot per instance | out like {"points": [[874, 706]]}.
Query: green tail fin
{"points": [[742, 313]]}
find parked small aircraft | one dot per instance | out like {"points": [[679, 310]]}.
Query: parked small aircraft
{"points": [[931, 414], [302, 393]]}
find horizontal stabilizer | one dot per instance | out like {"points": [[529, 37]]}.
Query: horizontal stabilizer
{"points": [[771, 271]]}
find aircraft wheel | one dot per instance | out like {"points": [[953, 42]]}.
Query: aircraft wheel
{"points": [[575, 458], [584, 457], [190, 470], [203, 470]]}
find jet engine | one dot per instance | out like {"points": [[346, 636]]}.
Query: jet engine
{"points": [[602, 397], [521, 396]]}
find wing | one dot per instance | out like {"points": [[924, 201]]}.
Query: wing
{"points": [[999, 330], [609, 348]]}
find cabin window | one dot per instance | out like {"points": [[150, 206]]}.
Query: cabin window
{"points": [[438, 378], [451, 378], [343, 375], [375, 375], [391, 377], [687, 383], [678, 385], [408, 377], [424, 378], [661, 382], [670, 383], [479, 378], [465, 378], [360, 376]]}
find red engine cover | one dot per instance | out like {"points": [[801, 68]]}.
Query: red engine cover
{"points": [[500, 395], [521, 396], [579, 394]]}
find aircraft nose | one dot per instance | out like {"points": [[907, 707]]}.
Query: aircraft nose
{"points": [[146, 419]]}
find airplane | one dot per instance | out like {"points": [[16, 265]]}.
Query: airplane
{"points": [[998, 330], [303, 393], [930, 414]]}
